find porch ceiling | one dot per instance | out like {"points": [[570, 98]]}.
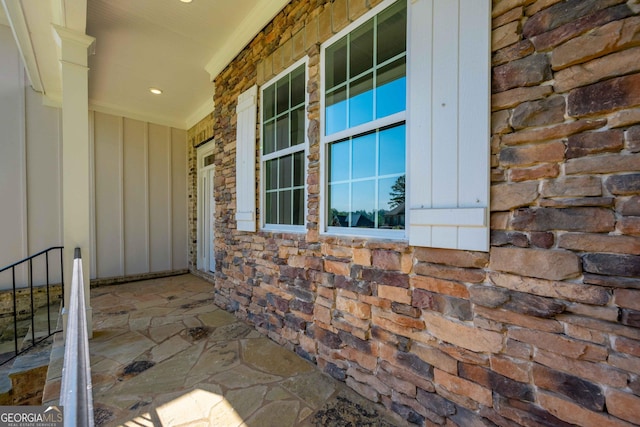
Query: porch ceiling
{"points": [[175, 46]]}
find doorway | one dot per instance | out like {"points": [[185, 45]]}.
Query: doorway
{"points": [[206, 209]]}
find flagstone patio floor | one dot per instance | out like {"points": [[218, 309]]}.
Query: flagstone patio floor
{"points": [[162, 354]]}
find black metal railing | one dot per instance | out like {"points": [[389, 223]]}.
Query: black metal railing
{"points": [[30, 279]]}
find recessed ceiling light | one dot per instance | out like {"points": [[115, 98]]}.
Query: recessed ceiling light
{"points": [[186, 1], [155, 91]]}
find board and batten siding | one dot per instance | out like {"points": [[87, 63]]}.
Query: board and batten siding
{"points": [[139, 184], [12, 152], [140, 197], [30, 165]]}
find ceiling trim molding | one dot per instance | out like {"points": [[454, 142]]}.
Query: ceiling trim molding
{"points": [[261, 15], [199, 114], [115, 110], [20, 29]]}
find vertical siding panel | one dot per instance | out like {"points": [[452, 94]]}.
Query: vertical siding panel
{"points": [[179, 202], [22, 135], [108, 212], [445, 104], [147, 203], [121, 193], [159, 198], [43, 181], [22, 225], [59, 163], [43, 174], [475, 117], [169, 198], [419, 115], [475, 121], [445, 120], [92, 194], [12, 146], [135, 192]]}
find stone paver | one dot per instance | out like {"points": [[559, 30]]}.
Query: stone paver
{"points": [[164, 355]]}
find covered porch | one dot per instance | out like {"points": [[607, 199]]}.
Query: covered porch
{"points": [[163, 354]]}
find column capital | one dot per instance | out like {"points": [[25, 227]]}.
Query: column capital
{"points": [[74, 45]]}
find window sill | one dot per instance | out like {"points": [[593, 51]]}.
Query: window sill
{"points": [[297, 229], [367, 233]]}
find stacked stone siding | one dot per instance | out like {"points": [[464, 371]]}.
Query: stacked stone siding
{"points": [[542, 330], [23, 302]]}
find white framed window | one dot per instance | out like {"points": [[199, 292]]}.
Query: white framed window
{"points": [[364, 124], [283, 150], [422, 66]]}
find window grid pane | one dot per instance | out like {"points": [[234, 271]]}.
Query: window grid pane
{"points": [[368, 191], [284, 187], [350, 98], [361, 51], [283, 127]]}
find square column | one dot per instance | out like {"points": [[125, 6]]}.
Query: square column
{"points": [[76, 197]]}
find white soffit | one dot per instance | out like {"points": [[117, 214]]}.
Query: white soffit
{"points": [[166, 44], [179, 48]]}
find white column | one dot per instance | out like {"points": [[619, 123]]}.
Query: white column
{"points": [[74, 50]]}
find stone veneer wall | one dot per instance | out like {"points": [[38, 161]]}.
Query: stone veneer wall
{"points": [[544, 329], [23, 302]]}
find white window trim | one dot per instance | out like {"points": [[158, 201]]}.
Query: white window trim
{"points": [[367, 127], [276, 154], [355, 24], [325, 140]]}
